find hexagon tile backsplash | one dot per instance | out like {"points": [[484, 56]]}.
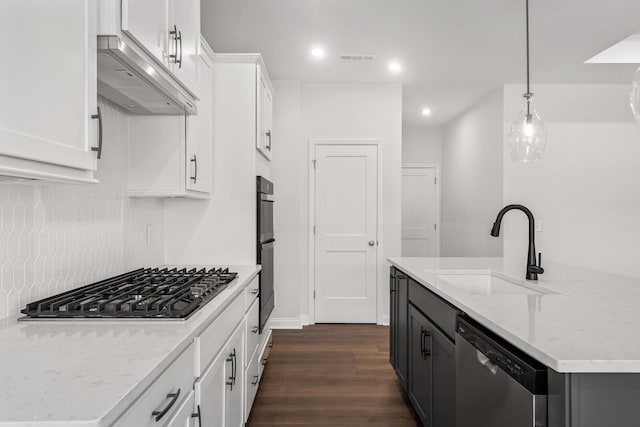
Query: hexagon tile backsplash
{"points": [[55, 237]]}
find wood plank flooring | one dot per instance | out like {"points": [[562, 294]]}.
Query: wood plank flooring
{"points": [[331, 375]]}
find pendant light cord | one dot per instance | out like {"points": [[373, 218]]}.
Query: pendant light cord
{"points": [[528, 94]]}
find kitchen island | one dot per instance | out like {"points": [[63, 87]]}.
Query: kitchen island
{"points": [[581, 324], [96, 372]]}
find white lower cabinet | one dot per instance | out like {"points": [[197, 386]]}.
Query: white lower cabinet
{"points": [[184, 416], [160, 402], [211, 392], [220, 390]]}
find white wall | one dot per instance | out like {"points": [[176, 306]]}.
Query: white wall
{"points": [[472, 179], [57, 237], [222, 230], [421, 144], [290, 187], [327, 111], [586, 189]]}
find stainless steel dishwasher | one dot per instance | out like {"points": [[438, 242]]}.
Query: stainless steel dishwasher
{"points": [[497, 385]]}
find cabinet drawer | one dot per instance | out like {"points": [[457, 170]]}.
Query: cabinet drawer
{"points": [[161, 395], [439, 311], [252, 333], [265, 351], [253, 382], [252, 292], [212, 339]]}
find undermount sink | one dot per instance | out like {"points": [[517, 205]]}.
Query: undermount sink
{"points": [[487, 284]]}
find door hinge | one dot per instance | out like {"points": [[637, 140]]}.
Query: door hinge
{"points": [[435, 181], [314, 229], [314, 294], [314, 163], [435, 227]]}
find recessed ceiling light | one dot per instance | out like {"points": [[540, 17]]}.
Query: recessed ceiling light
{"points": [[318, 52], [395, 67], [426, 111]]}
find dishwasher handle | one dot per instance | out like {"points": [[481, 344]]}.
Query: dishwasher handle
{"points": [[486, 363]]}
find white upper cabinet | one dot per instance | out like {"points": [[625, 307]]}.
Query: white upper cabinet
{"points": [[169, 30], [48, 94], [172, 156], [264, 113], [185, 19], [147, 22]]}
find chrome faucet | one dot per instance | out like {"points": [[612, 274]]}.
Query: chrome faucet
{"points": [[533, 269]]}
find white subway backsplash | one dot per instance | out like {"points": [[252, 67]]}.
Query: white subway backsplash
{"points": [[56, 237]]}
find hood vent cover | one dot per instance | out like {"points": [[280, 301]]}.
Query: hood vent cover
{"points": [[138, 84]]}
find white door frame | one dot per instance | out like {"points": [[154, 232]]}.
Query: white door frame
{"points": [[435, 166], [313, 143]]}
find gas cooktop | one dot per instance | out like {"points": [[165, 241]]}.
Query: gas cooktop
{"points": [[146, 293]]}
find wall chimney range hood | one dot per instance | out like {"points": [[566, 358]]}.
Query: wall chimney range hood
{"points": [[129, 78]]}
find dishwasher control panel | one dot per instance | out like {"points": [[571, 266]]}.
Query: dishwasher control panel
{"points": [[503, 355]]}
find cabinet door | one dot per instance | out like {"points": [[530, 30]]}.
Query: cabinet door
{"points": [[48, 89], [420, 366], [264, 103], [402, 355], [211, 392], [146, 21], [234, 399], [443, 360], [393, 319], [185, 16], [184, 416], [200, 133]]}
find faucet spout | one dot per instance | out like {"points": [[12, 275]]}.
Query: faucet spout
{"points": [[533, 269]]}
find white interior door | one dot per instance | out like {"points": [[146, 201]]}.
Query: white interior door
{"points": [[419, 212], [346, 199]]}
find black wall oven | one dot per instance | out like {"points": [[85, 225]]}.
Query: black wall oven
{"points": [[266, 241]]}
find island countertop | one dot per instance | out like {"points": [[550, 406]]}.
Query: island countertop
{"points": [[85, 373], [585, 322]]}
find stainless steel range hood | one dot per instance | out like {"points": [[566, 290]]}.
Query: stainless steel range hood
{"points": [[135, 82]]}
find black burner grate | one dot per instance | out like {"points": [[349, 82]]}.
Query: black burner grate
{"points": [[142, 293]]}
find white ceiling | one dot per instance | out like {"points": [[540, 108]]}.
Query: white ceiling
{"points": [[452, 51]]}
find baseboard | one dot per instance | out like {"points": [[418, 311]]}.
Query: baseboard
{"points": [[286, 323], [384, 321], [304, 319]]}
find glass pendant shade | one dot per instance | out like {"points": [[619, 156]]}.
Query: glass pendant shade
{"points": [[635, 96], [527, 135]]}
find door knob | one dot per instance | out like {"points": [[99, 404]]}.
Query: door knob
{"points": [[372, 242]]}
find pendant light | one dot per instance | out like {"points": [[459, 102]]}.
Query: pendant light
{"points": [[527, 135], [635, 96]]}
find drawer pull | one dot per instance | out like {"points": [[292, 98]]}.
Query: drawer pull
{"points": [[254, 291], [256, 378], [174, 398], [255, 329], [264, 361]]}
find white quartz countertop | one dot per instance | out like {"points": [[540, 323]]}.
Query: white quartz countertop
{"points": [[589, 323], [87, 372]]}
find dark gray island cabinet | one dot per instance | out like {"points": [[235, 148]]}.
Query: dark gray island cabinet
{"points": [[422, 349], [423, 354]]}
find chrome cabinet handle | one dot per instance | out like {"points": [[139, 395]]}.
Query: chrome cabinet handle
{"points": [[255, 329], [427, 351], [194, 160], [179, 61], [198, 415], [99, 147], [174, 34], [254, 291], [232, 380], [255, 382], [159, 414], [269, 137]]}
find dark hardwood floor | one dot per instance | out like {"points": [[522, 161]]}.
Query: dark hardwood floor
{"points": [[331, 375]]}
